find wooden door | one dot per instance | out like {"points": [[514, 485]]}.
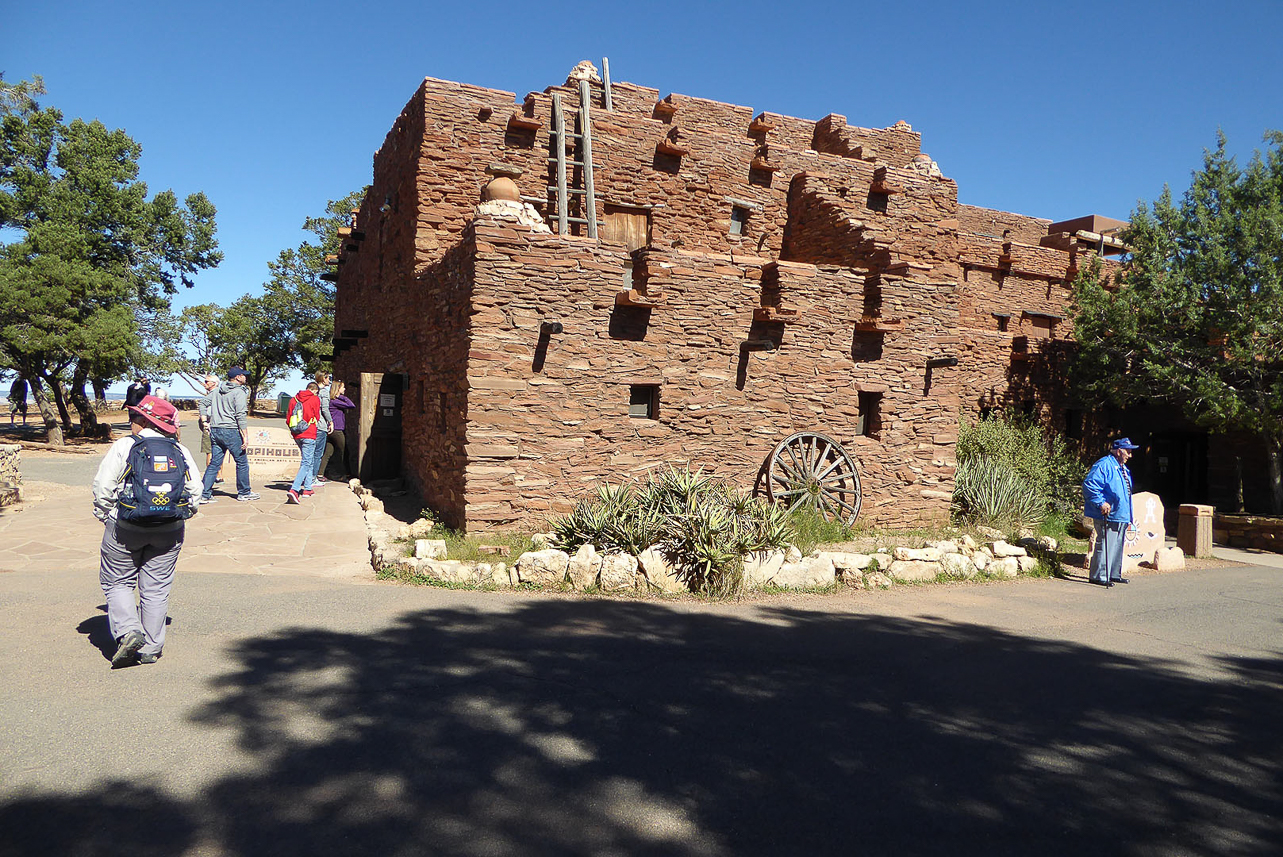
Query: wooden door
{"points": [[627, 226], [378, 444]]}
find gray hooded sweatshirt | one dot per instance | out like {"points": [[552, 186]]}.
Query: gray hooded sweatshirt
{"points": [[229, 406]]}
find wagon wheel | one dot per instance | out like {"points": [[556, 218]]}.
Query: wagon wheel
{"points": [[811, 470]]}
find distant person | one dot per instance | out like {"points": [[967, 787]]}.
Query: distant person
{"points": [[18, 399], [141, 387], [302, 417], [1107, 500], [210, 382], [161, 393], [228, 433], [336, 442], [145, 489], [324, 426]]}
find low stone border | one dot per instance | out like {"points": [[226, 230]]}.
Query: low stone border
{"points": [[1248, 531], [546, 566], [10, 474]]}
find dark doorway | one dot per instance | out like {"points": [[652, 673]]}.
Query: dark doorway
{"points": [[378, 446], [1175, 467]]}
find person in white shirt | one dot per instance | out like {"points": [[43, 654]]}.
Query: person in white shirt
{"points": [[140, 554]]}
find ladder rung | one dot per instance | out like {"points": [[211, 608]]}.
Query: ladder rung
{"points": [[568, 163], [583, 221], [568, 190]]}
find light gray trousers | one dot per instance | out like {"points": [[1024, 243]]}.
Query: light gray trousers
{"points": [[142, 560]]}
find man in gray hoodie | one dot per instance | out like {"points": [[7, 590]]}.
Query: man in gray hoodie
{"points": [[228, 433]]}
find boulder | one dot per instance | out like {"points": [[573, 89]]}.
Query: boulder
{"points": [[500, 575], [991, 534], [1002, 549], [1006, 567], [877, 580], [761, 567], [540, 541], [879, 561], [848, 567], [618, 571], [542, 568], [1081, 526], [792, 554], [843, 561], [968, 543], [814, 571], [907, 571], [583, 567], [947, 546], [449, 570], [429, 549], [1026, 564], [420, 529], [927, 554], [957, 565], [1169, 559], [355, 485], [1047, 543], [980, 559], [657, 573]]}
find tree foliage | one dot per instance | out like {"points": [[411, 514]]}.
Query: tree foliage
{"points": [[1196, 316], [289, 326], [94, 260]]}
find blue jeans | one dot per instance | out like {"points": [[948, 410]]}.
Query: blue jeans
{"points": [[307, 466], [223, 441], [319, 447], [1107, 560]]}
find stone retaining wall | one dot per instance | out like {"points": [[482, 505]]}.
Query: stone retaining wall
{"points": [[1248, 531], [10, 473]]}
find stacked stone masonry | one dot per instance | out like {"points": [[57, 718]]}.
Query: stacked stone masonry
{"points": [[856, 278]]}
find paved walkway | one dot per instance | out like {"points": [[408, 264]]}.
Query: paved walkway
{"points": [[323, 537]]}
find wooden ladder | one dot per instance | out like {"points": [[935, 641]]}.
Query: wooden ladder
{"points": [[583, 160]]}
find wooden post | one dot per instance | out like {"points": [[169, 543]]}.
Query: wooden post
{"points": [[585, 132], [605, 78], [559, 141]]}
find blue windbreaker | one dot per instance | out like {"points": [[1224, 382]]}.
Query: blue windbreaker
{"points": [[1106, 482]]}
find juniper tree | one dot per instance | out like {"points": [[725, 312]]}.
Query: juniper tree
{"points": [[92, 255], [1195, 317]]}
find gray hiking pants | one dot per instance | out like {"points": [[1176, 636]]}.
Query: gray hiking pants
{"points": [[134, 558]]}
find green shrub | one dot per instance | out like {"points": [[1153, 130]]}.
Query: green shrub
{"points": [[1010, 475], [993, 493], [703, 527]]}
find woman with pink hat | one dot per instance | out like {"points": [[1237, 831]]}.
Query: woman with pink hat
{"points": [[146, 487]]}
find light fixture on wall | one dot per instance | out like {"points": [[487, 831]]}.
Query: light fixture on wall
{"points": [[548, 328], [387, 204]]}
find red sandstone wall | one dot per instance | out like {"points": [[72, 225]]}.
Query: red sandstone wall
{"points": [[538, 438], [537, 435]]}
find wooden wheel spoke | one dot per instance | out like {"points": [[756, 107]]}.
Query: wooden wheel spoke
{"points": [[810, 470]]}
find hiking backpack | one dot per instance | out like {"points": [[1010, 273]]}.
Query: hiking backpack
{"points": [[295, 422], [154, 486]]}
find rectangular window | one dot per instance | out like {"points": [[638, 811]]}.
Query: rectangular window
{"points": [[739, 220], [441, 410], [869, 422], [878, 201], [643, 401]]}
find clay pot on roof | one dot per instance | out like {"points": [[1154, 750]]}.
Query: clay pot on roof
{"points": [[501, 188]]}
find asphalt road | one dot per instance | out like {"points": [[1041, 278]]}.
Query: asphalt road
{"points": [[301, 716]]}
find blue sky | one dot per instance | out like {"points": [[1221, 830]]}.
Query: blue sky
{"points": [[1049, 109]]}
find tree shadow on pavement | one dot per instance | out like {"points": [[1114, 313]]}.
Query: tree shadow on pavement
{"points": [[582, 727]]}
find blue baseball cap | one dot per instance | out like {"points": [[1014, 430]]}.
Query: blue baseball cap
{"points": [[234, 371], [1124, 443]]}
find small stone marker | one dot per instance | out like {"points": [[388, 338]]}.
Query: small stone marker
{"points": [[1146, 535]]}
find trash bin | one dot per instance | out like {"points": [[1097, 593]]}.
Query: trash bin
{"points": [[283, 403]]}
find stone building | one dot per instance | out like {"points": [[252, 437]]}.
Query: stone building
{"points": [[749, 276]]}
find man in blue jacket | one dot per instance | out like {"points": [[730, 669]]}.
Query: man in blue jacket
{"points": [[1107, 500]]}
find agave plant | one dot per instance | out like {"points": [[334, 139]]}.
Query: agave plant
{"points": [[703, 526], [988, 491]]}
